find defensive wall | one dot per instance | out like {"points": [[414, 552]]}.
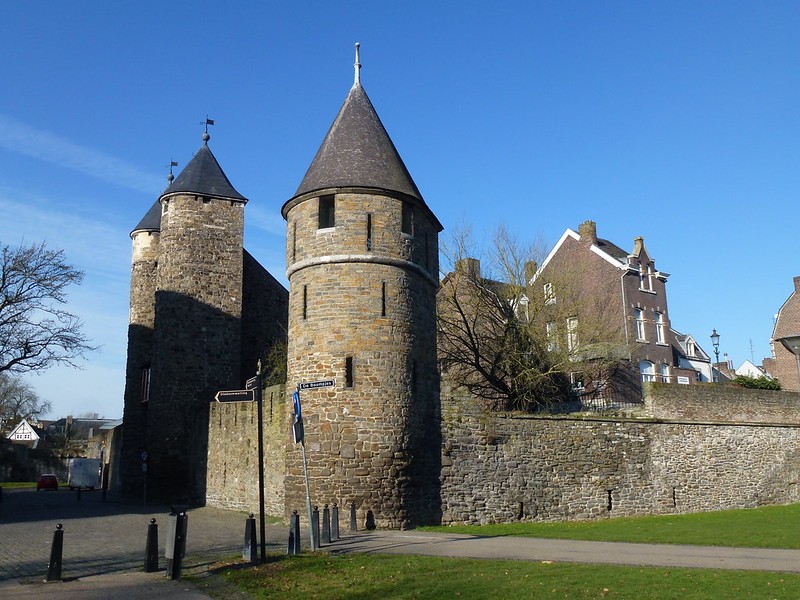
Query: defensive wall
{"points": [[688, 449]]}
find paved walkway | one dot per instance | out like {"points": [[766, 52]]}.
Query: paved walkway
{"points": [[104, 545]]}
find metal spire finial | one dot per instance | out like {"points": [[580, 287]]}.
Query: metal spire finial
{"points": [[357, 66], [171, 177], [207, 137]]}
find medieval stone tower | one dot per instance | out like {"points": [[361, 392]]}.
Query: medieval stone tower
{"points": [[362, 262], [202, 311]]}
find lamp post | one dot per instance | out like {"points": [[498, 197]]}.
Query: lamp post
{"points": [[715, 342], [792, 344]]}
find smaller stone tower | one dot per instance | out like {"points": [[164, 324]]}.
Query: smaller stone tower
{"points": [[362, 262], [184, 340]]}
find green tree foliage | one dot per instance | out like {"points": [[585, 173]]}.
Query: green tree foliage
{"points": [[758, 383]]}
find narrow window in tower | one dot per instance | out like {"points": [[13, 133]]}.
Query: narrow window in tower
{"points": [[305, 301], [294, 242], [348, 371], [369, 231], [327, 212], [427, 252], [383, 298], [408, 219], [144, 391], [413, 376]]}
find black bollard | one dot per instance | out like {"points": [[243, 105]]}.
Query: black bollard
{"points": [[353, 522], [369, 524], [79, 494], [151, 549], [315, 529], [296, 524], [56, 554], [290, 545], [176, 541], [335, 523], [250, 550], [326, 525]]}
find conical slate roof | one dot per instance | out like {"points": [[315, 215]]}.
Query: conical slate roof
{"points": [[204, 176], [357, 152], [151, 220]]}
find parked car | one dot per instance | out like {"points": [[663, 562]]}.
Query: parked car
{"points": [[47, 481]]}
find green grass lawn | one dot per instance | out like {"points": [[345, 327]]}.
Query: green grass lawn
{"points": [[13, 485], [765, 527], [362, 576]]}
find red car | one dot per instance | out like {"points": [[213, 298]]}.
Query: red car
{"points": [[47, 481]]}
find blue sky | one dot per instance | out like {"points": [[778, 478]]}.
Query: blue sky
{"points": [[676, 121]]}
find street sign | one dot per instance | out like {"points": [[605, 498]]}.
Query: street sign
{"points": [[322, 383], [251, 383], [235, 396]]}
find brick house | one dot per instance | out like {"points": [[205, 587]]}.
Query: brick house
{"points": [[784, 366], [610, 302]]}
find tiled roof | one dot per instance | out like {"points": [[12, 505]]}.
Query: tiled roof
{"points": [[612, 249], [203, 176], [151, 220], [357, 152]]}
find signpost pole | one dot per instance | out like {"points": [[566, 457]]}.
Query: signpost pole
{"points": [[262, 524], [314, 541]]}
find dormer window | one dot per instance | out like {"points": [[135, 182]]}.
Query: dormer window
{"points": [[646, 278], [327, 212]]}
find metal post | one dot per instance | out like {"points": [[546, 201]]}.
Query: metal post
{"points": [[314, 541], [56, 554], [296, 524], [315, 529], [151, 549], [250, 549], [79, 493], [353, 521], [176, 541], [335, 522], [326, 525], [261, 516]]}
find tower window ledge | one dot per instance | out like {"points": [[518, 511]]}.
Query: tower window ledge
{"points": [[326, 229]]}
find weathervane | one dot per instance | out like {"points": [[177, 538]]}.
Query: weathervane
{"points": [[208, 122], [172, 163], [357, 67]]}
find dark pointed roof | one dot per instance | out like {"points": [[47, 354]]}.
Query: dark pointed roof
{"points": [[151, 221], [357, 152], [204, 176]]}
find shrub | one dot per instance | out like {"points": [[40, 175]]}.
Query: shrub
{"points": [[758, 383]]}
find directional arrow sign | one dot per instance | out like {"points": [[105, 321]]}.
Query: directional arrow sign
{"points": [[323, 383], [235, 396]]}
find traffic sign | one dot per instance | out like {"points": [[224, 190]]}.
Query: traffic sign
{"points": [[251, 383], [235, 396], [322, 383]]}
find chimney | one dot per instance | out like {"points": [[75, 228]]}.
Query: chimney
{"points": [[638, 244], [588, 231], [471, 267], [530, 270], [797, 284]]}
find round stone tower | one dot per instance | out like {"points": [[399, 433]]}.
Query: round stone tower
{"points": [[187, 289], [362, 263]]}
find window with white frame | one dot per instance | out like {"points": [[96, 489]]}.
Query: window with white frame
{"points": [[576, 381], [549, 294], [660, 331], [690, 348], [551, 331], [638, 315], [663, 372], [647, 370], [645, 277], [572, 334]]}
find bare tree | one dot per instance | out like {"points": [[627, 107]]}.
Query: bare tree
{"points": [[35, 330], [18, 401], [505, 340]]}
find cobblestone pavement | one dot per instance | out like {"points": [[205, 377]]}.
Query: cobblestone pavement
{"points": [[107, 536]]}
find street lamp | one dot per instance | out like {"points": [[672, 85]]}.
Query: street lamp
{"points": [[792, 344], [715, 342]]}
